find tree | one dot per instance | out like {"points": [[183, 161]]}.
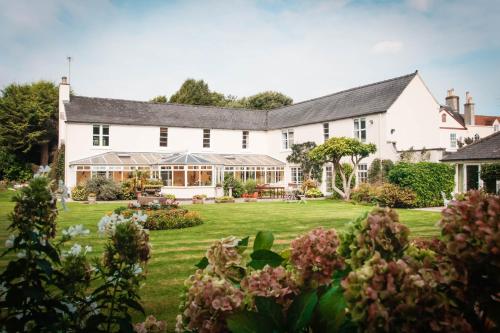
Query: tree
{"points": [[333, 150], [266, 100], [159, 99], [301, 155], [196, 92], [28, 114]]}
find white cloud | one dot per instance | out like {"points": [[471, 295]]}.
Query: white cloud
{"points": [[387, 47]]}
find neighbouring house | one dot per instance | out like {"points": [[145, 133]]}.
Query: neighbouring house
{"points": [[469, 159], [457, 127], [191, 148]]}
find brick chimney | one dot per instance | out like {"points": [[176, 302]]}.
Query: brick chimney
{"points": [[469, 115], [452, 101]]}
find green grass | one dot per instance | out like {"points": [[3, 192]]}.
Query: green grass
{"points": [[175, 252]]}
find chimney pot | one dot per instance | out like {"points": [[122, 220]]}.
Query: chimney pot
{"points": [[64, 80], [469, 112]]}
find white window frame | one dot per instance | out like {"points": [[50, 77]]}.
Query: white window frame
{"points": [[360, 129], [245, 139], [287, 138], [206, 138], [326, 131], [297, 176], [163, 136], [362, 173], [495, 128], [100, 136], [453, 140]]}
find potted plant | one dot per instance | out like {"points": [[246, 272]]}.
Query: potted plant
{"points": [[250, 197], [92, 198], [199, 198]]}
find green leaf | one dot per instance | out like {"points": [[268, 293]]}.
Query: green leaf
{"points": [[301, 311], [260, 258], [134, 305], [243, 242], [263, 241], [203, 263], [330, 312], [273, 310], [249, 322]]}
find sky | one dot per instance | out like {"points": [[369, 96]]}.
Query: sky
{"points": [[303, 48]]}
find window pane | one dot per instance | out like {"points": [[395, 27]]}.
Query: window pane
{"points": [[363, 135], [96, 129], [105, 129], [206, 177], [363, 123], [163, 137], [193, 178], [95, 140], [166, 176], [105, 140], [206, 138], [356, 124], [179, 178], [290, 139]]}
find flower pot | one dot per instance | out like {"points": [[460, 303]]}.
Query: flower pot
{"points": [[198, 201], [92, 198]]}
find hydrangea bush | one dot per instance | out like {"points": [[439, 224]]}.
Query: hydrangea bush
{"points": [[47, 286], [370, 278]]}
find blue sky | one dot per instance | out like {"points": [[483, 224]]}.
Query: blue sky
{"points": [[305, 49]]}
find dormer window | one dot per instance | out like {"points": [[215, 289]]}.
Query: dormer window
{"points": [[443, 118]]}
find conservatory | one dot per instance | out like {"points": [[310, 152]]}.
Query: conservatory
{"points": [[182, 174]]}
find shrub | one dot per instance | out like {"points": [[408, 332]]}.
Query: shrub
{"points": [[470, 229], [378, 171], [11, 168], [426, 179], [105, 189], [309, 184], [57, 166], [199, 196], [490, 174], [163, 219], [224, 199], [169, 196], [386, 195], [313, 193], [79, 193], [128, 190], [250, 186], [237, 186], [390, 195]]}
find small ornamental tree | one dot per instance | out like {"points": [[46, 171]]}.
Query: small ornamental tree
{"points": [[333, 150], [311, 168]]}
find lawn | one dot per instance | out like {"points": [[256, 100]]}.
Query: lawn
{"points": [[176, 251]]}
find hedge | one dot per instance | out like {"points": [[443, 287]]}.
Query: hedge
{"points": [[490, 173], [426, 179]]}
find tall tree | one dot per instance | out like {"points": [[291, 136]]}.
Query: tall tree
{"points": [[196, 92], [266, 100], [159, 99], [28, 114], [300, 155], [333, 150]]}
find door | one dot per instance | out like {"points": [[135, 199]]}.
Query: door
{"points": [[472, 177]]}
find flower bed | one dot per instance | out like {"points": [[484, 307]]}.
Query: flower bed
{"points": [[163, 217], [225, 199], [370, 278]]}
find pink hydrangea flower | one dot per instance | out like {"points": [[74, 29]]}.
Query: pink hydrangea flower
{"points": [[208, 301], [273, 282], [315, 256], [223, 254]]}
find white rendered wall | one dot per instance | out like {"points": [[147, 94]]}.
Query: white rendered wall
{"points": [[414, 117]]}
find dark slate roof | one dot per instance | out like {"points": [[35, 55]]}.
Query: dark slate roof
{"points": [[487, 148], [455, 115], [368, 99], [117, 111]]}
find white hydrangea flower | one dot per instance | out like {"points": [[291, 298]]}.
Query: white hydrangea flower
{"points": [[9, 243], [21, 254], [88, 249], [75, 250], [136, 269], [76, 230]]}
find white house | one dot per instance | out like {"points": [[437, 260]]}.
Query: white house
{"points": [[191, 148]]}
